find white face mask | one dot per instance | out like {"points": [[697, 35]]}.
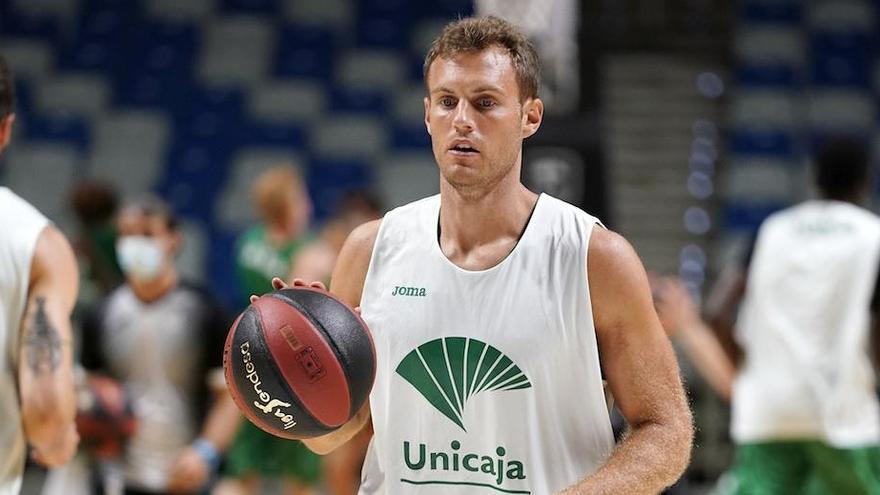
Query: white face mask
{"points": [[140, 257]]}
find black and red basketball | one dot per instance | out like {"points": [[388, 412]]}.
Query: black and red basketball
{"points": [[299, 362]]}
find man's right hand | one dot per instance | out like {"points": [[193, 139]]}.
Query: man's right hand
{"points": [[59, 452]]}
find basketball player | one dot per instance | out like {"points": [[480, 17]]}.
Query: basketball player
{"points": [[806, 418], [496, 312], [38, 287], [163, 339]]}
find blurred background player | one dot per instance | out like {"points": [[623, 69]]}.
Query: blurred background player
{"points": [[38, 288], [806, 416], [163, 340], [282, 203], [317, 259], [95, 205]]}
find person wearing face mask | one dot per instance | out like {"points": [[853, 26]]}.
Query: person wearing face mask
{"points": [[163, 339]]}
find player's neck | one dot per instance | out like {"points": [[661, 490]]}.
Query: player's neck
{"points": [[153, 290], [494, 221], [281, 233]]}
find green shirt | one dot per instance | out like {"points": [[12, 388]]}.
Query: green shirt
{"points": [[257, 260]]}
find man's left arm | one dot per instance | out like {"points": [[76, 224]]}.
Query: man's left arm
{"points": [[640, 367]]}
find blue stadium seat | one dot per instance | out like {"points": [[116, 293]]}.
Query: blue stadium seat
{"points": [[384, 6], [221, 269], [849, 69], [748, 216], [448, 9], [102, 24], [383, 31], [842, 59], [268, 7], [151, 91], [194, 174], [130, 7], [254, 134], [210, 114], [305, 51], [762, 142], [164, 48], [410, 137], [60, 128], [24, 26], [24, 98], [358, 100], [772, 11], [751, 75], [89, 56], [329, 180]]}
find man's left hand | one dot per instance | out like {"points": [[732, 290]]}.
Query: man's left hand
{"points": [[190, 472]]}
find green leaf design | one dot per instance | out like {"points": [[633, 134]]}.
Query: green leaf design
{"points": [[451, 370]]}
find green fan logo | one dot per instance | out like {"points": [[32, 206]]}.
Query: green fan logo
{"points": [[451, 370]]}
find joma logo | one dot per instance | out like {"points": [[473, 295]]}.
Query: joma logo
{"points": [[409, 291]]}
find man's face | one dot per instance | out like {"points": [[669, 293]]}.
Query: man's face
{"points": [[475, 118]]}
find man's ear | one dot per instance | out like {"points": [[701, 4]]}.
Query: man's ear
{"points": [[533, 115], [427, 103], [6, 130], [176, 239]]}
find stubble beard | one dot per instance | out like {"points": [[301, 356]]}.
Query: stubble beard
{"points": [[474, 190]]}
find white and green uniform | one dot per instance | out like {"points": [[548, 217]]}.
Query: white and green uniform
{"points": [[20, 226], [804, 329], [488, 381]]}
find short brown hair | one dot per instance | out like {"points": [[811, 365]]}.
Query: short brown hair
{"points": [[272, 188], [475, 34], [7, 90]]}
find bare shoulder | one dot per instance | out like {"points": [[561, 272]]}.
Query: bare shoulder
{"points": [[52, 253], [354, 260], [364, 236], [617, 278], [611, 255]]}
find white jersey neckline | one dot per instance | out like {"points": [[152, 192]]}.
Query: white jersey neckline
{"points": [[438, 251]]}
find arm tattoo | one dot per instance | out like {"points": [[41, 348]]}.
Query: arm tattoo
{"points": [[42, 343]]}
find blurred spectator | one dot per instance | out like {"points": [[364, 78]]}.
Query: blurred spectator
{"points": [[283, 206], [265, 251], [316, 261], [806, 418], [95, 204], [163, 340]]}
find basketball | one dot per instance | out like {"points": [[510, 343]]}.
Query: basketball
{"points": [[299, 363]]}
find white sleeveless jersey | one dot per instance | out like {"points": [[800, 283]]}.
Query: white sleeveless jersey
{"points": [[20, 226], [487, 380], [804, 326]]}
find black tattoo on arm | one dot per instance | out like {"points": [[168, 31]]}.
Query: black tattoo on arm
{"points": [[42, 343]]}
